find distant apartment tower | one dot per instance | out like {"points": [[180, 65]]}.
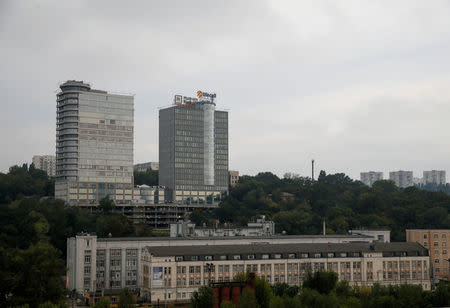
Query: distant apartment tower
{"points": [[46, 163], [371, 177], [193, 150], [434, 177], [402, 178], [94, 143], [145, 166], [233, 177]]}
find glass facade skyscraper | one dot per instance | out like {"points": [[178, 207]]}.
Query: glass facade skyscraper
{"points": [[193, 151], [94, 143]]}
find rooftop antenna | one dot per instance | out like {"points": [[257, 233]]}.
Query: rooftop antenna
{"points": [[312, 170]]}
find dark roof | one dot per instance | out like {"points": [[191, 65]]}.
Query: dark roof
{"points": [[408, 248]]}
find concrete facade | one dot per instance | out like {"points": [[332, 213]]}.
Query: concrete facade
{"points": [[434, 177], [436, 241], [90, 266], [172, 274], [370, 177], [260, 227], [233, 177], [46, 163], [144, 166], [193, 151], [94, 143], [402, 178]]}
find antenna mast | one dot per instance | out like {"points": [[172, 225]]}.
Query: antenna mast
{"points": [[312, 170]]}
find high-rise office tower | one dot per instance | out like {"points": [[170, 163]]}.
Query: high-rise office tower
{"points": [[402, 178], [193, 150], [371, 177], [94, 143], [46, 163]]}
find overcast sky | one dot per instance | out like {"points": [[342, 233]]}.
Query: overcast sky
{"points": [[357, 85]]}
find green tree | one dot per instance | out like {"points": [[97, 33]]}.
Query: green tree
{"points": [[126, 299], [106, 205], [33, 275], [103, 303], [276, 302], [247, 299], [263, 292], [226, 304], [322, 281], [204, 297]]}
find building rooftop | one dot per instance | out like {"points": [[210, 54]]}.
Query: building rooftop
{"points": [[224, 238], [408, 248]]}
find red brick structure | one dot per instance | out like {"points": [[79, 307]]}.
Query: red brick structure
{"points": [[231, 291]]}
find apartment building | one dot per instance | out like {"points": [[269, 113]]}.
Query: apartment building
{"points": [[402, 178], [174, 273], [46, 163], [113, 263], [370, 177], [434, 177], [145, 166], [436, 241]]}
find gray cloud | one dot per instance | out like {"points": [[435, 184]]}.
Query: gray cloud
{"points": [[356, 85]]}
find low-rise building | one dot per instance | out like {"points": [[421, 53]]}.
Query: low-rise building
{"points": [[371, 177], [145, 166], [233, 177], [174, 273], [261, 227], [113, 263], [382, 236], [436, 241]]}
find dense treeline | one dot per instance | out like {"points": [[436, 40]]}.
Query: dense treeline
{"points": [[344, 204], [34, 228], [322, 290]]}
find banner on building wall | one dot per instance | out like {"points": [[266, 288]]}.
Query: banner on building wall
{"points": [[157, 280]]}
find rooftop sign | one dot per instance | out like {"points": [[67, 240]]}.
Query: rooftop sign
{"points": [[201, 94]]}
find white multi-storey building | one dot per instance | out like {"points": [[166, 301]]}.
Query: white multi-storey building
{"points": [[174, 273], [46, 163], [434, 177], [94, 143], [402, 178], [113, 263], [371, 177]]}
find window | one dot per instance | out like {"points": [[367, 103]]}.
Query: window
{"points": [[223, 257], [265, 256], [191, 269], [425, 244], [425, 236], [444, 235], [208, 258], [435, 244], [277, 256], [251, 257], [330, 255], [435, 236], [436, 252], [343, 254], [178, 258], [305, 255], [436, 260], [317, 255], [87, 270], [444, 252], [194, 258], [236, 257], [87, 259], [444, 244], [291, 256]]}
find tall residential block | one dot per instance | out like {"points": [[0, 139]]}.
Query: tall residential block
{"points": [[94, 143], [193, 150], [434, 177], [46, 163], [371, 177], [402, 178]]}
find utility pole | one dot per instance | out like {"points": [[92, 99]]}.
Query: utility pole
{"points": [[312, 170]]}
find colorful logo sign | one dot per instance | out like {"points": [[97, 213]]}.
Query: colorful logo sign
{"points": [[201, 94]]}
